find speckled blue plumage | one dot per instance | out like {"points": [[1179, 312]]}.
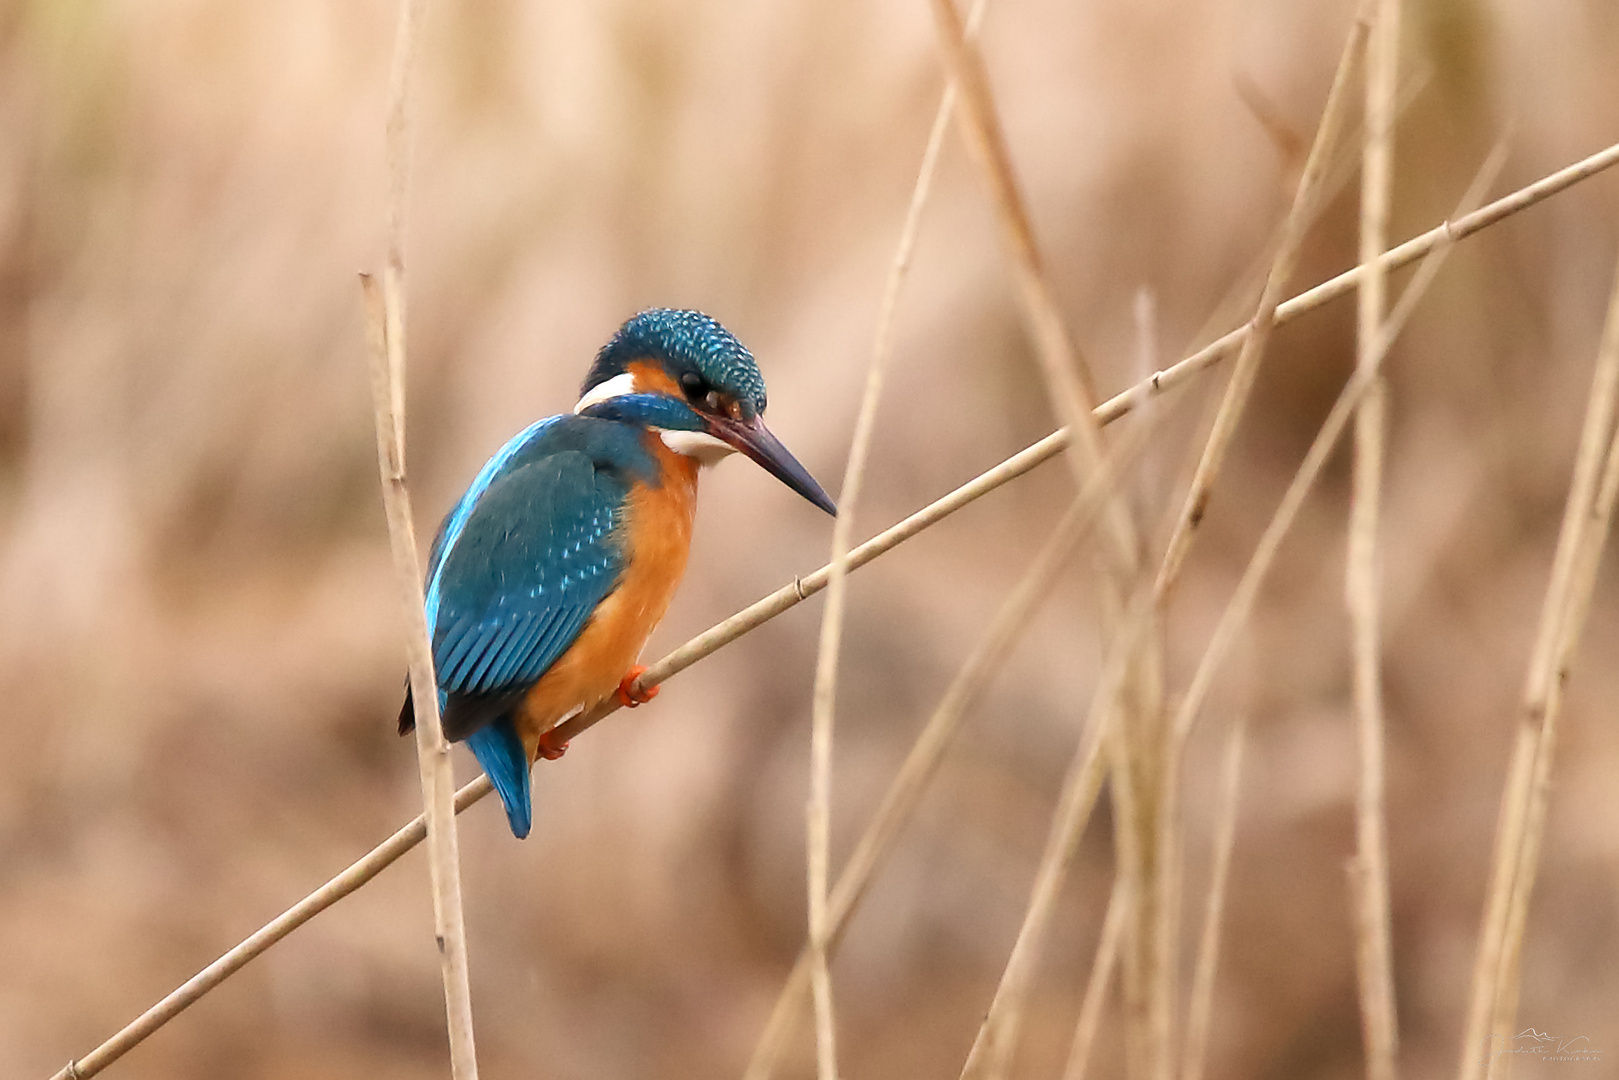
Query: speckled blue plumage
{"points": [[522, 560], [685, 341]]}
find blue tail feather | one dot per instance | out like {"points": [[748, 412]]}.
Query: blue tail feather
{"points": [[501, 753]]}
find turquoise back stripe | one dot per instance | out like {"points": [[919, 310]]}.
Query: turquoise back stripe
{"points": [[463, 510]]}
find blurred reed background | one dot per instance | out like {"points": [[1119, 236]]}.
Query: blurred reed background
{"points": [[200, 649]]}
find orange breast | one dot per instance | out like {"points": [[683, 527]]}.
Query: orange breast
{"points": [[656, 533]]}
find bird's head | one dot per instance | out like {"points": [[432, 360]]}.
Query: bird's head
{"points": [[684, 375]]}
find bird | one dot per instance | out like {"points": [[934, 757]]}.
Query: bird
{"points": [[549, 573]]}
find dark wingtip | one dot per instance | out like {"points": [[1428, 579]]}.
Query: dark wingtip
{"points": [[407, 713]]}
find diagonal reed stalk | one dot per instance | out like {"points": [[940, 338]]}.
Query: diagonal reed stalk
{"points": [[1586, 518], [1160, 964], [826, 665], [1368, 870], [1068, 383], [927, 752], [1200, 1011], [1242, 600], [1107, 958], [1241, 603], [1071, 391], [992, 1050], [795, 592], [385, 323], [1240, 385]]}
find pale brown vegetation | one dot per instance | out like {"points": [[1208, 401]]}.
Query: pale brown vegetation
{"points": [[201, 642]]}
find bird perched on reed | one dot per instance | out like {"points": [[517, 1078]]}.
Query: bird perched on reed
{"points": [[550, 572]]}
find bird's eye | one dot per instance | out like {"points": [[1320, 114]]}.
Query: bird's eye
{"points": [[693, 385]]}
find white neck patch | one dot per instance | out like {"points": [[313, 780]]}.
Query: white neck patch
{"points": [[618, 386], [698, 445]]}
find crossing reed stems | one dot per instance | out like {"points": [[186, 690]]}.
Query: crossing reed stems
{"points": [[1240, 385], [1586, 518], [927, 752], [992, 1051], [1241, 603], [1161, 894], [826, 667], [433, 751], [1068, 382]]}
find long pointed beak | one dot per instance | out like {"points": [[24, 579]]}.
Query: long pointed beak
{"points": [[755, 440]]}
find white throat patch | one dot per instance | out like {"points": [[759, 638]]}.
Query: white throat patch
{"points": [[619, 385], [698, 445]]}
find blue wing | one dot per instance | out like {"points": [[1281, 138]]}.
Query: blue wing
{"points": [[521, 563], [536, 555]]}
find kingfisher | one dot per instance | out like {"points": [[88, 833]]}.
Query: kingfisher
{"points": [[549, 573]]}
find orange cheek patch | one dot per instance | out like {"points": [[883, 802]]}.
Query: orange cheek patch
{"points": [[651, 379]]}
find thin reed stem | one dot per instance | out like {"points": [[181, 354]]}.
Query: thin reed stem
{"points": [[996, 1042], [1586, 517], [1153, 973], [1405, 254], [1107, 958], [905, 791], [1200, 1011], [1068, 382], [385, 322], [1368, 871], [1283, 263], [1238, 608], [832, 616]]}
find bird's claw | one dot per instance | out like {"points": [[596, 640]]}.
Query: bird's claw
{"points": [[549, 748], [628, 695]]}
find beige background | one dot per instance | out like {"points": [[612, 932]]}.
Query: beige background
{"points": [[200, 648]]}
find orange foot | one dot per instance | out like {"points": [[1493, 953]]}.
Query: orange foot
{"points": [[628, 695], [550, 749]]}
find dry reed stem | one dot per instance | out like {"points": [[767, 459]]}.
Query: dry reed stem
{"points": [[383, 313], [385, 325], [905, 791], [1393, 259], [1445, 233], [1068, 382], [1152, 975], [800, 589], [1071, 392], [992, 1050], [1243, 296], [1368, 871], [1153, 479], [1241, 603], [189, 992], [1584, 528], [1200, 1011], [1582, 590], [1107, 958], [818, 826], [1283, 263]]}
